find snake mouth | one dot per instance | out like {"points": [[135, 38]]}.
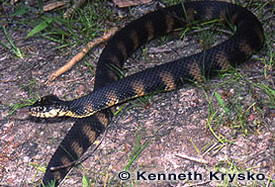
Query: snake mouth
{"points": [[47, 112]]}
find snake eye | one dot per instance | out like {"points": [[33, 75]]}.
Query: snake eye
{"points": [[50, 100]]}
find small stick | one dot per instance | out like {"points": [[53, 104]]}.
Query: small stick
{"points": [[80, 55], [192, 158], [55, 168]]}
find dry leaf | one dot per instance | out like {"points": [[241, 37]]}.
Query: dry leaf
{"points": [[54, 5], [128, 3], [13, 1]]}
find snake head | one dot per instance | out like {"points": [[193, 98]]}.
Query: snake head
{"points": [[49, 106]]}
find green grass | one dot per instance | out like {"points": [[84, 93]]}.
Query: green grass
{"points": [[236, 111], [86, 24], [10, 45], [137, 149], [33, 97]]}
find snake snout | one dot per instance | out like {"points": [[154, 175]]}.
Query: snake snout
{"points": [[48, 107]]}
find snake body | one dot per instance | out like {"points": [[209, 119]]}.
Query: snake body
{"points": [[109, 90]]}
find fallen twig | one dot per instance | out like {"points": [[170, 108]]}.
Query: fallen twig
{"points": [[80, 55], [192, 158]]}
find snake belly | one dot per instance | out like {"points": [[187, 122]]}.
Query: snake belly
{"points": [[109, 90]]}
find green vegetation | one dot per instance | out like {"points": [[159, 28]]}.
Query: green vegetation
{"points": [[84, 25], [11, 46], [34, 96]]}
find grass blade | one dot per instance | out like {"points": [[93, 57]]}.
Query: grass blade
{"points": [[222, 103], [40, 27], [20, 11]]}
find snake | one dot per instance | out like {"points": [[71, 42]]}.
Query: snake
{"points": [[94, 110]]}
